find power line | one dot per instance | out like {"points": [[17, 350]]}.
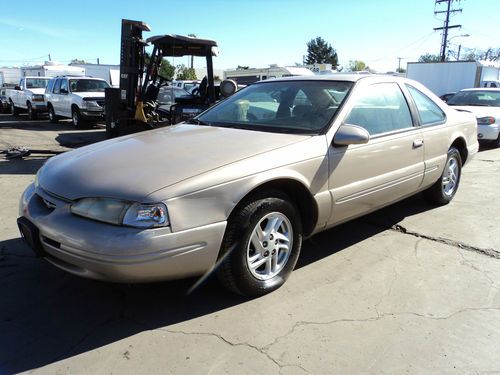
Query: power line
{"points": [[446, 25]]}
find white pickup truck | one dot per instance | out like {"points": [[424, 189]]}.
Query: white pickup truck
{"points": [[28, 96]]}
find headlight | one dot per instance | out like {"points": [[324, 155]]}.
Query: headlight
{"points": [[118, 212], [37, 98], [90, 104], [146, 215]]}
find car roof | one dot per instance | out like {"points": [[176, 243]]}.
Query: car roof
{"points": [[342, 77], [482, 89]]}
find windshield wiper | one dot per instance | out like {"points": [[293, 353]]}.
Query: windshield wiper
{"points": [[195, 121]]}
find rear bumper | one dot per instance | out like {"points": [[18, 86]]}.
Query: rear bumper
{"points": [[488, 132], [114, 253]]}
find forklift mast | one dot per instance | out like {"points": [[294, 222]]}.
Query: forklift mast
{"points": [[131, 59]]}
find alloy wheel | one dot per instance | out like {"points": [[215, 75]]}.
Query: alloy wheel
{"points": [[450, 179], [269, 246]]}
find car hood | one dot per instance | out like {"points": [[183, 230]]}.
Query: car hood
{"points": [[479, 111], [89, 94], [40, 90], [134, 166]]}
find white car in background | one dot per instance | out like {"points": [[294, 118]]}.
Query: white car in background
{"points": [[484, 103], [28, 96], [79, 98]]}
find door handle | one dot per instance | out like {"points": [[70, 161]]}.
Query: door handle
{"points": [[418, 143]]}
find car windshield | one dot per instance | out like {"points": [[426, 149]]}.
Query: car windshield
{"points": [[36, 83], [87, 85], [303, 107], [482, 98]]}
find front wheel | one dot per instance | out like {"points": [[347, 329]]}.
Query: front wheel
{"points": [[76, 118], [444, 189], [261, 246], [31, 114], [52, 114]]}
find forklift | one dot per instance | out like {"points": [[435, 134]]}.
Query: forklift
{"points": [[133, 107]]}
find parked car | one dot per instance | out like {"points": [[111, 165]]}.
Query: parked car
{"points": [[188, 85], [447, 96], [79, 98], [4, 101], [166, 98], [28, 96], [484, 103], [236, 189]]}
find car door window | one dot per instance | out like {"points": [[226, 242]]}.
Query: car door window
{"points": [[381, 108], [429, 112], [57, 87], [64, 86]]}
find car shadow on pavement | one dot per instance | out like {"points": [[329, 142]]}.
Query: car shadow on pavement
{"points": [[79, 139], [47, 315]]}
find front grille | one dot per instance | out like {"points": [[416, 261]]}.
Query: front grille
{"points": [[99, 101]]}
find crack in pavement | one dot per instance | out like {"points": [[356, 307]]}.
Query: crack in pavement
{"points": [[489, 252], [230, 343], [377, 318]]}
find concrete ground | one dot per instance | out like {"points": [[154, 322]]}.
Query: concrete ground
{"points": [[409, 289]]}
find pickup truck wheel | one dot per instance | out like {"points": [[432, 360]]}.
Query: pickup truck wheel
{"points": [[52, 114], [31, 114], [444, 189], [14, 111], [76, 117], [261, 246]]}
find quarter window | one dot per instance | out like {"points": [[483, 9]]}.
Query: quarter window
{"points": [[429, 112], [381, 108]]}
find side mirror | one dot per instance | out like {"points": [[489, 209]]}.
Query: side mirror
{"points": [[348, 134], [17, 87]]}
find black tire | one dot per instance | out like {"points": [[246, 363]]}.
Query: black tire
{"points": [[31, 114], [496, 142], [14, 111], [52, 114], [238, 248], [445, 188], [76, 118]]}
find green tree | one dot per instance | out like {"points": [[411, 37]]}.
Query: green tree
{"points": [[77, 61], [400, 70], [428, 57], [321, 52], [357, 66], [166, 69], [185, 73]]}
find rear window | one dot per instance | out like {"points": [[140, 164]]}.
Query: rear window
{"points": [[480, 98]]}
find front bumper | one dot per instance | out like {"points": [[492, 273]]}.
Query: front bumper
{"points": [[92, 114], [488, 132], [39, 106], [107, 252]]}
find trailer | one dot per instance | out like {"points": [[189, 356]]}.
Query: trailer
{"points": [[452, 76], [51, 69], [248, 76]]}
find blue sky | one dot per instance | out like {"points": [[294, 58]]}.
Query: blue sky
{"points": [[255, 33]]}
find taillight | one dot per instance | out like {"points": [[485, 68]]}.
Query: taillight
{"points": [[488, 120]]}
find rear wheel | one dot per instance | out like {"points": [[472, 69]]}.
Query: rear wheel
{"points": [[52, 114], [496, 142], [13, 109], [444, 189], [261, 246]]}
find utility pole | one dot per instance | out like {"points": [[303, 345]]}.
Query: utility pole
{"points": [[50, 58], [399, 64], [446, 25]]}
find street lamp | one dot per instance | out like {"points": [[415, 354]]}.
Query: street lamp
{"points": [[460, 45]]}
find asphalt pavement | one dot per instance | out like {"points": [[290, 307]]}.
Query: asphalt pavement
{"points": [[412, 288]]}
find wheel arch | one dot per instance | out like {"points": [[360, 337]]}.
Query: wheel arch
{"points": [[460, 144], [298, 193]]}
